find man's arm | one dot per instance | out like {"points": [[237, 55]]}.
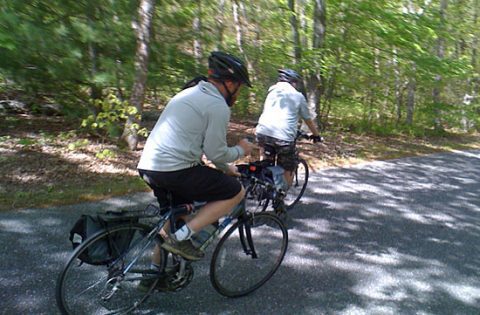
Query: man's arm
{"points": [[312, 127], [215, 143]]}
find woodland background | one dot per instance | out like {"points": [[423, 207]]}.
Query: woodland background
{"points": [[107, 68]]}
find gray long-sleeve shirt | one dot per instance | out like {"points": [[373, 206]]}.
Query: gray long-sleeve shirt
{"points": [[283, 107], [193, 123]]}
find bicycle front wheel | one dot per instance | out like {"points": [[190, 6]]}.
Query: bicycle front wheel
{"points": [[299, 184], [248, 254], [111, 288]]}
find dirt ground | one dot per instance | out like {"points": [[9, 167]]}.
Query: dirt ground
{"points": [[41, 155]]}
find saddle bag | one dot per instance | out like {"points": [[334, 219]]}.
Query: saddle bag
{"points": [[266, 172], [106, 250]]}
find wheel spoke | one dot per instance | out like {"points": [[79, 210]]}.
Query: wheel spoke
{"points": [[235, 271], [299, 185], [113, 289]]}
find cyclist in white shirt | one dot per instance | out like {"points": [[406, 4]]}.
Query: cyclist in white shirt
{"points": [[277, 126]]}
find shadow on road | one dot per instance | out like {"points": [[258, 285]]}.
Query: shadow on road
{"points": [[397, 237]]}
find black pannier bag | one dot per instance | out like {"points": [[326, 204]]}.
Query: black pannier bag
{"points": [[106, 250]]}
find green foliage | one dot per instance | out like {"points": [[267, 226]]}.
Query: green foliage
{"points": [[4, 138], [69, 44], [27, 142], [105, 154], [75, 51], [387, 129], [78, 144], [46, 138], [67, 135], [111, 117]]}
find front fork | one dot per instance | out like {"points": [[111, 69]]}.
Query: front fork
{"points": [[245, 232]]}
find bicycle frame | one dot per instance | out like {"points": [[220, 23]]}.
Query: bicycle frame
{"points": [[237, 212], [132, 265]]}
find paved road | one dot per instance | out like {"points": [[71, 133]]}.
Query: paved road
{"points": [[397, 237]]}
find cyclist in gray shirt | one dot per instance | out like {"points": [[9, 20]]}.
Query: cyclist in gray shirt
{"points": [[277, 126], [194, 123]]}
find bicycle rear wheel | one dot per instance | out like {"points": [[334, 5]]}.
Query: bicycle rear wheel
{"points": [[113, 288], [256, 198], [299, 184], [248, 254]]}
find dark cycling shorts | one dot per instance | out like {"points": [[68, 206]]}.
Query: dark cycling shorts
{"points": [[285, 151], [198, 183]]}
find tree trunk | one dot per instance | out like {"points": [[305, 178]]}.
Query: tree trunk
{"points": [[257, 44], [314, 76], [295, 34], [251, 62], [238, 26], [220, 22], [436, 94], [95, 90], [324, 110], [475, 38], [240, 31], [474, 82], [142, 31], [373, 84], [411, 86], [398, 88], [197, 30], [303, 23]]}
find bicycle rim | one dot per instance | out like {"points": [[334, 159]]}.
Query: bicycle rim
{"points": [[299, 184], [256, 199], [233, 271], [108, 289]]}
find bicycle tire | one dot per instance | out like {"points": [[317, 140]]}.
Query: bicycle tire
{"points": [[299, 184], [256, 199], [233, 271], [94, 289]]}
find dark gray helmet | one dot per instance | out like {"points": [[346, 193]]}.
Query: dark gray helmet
{"points": [[288, 75], [227, 67]]}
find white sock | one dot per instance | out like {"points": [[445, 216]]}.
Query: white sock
{"points": [[184, 233]]}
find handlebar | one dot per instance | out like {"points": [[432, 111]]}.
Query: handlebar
{"points": [[304, 135]]}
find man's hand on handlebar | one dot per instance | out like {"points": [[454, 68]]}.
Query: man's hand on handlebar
{"points": [[232, 170], [246, 146], [316, 139]]}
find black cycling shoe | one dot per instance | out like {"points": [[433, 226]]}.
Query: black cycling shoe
{"points": [[162, 285]]}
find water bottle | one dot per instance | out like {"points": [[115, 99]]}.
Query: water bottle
{"points": [[203, 235]]}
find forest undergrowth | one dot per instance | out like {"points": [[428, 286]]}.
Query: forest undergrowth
{"points": [[46, 161]]}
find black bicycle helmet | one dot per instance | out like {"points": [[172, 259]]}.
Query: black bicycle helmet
{"points": [[288, 75], [227, 67]]}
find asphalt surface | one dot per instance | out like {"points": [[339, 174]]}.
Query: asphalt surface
{"points": [[396, 237]]}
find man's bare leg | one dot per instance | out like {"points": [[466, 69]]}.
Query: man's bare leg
{"points": [[288, 175], [213, 211]]}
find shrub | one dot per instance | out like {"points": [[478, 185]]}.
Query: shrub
{"points": [[110, 120]]}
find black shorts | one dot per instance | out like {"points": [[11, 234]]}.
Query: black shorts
{"points": [[284, 151], [198, 183]]}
